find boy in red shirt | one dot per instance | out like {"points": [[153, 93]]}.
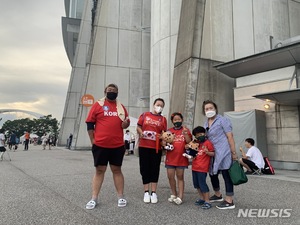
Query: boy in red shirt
{"points": [[200, 166]]}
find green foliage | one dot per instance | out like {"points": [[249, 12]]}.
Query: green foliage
{"points": [[45, 124]]}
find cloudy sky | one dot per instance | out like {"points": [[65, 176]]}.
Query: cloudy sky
{"points": [[34, 69]]}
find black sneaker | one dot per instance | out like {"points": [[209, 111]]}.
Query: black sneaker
{"points": [[215, 198], [199, 202], [226, 205], [249, 173]]}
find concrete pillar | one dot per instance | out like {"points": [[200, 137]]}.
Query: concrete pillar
{"points": [[164, 29], [119, 53], [195, 79], [72, 105]]}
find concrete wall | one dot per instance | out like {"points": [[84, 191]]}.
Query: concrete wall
{"points": [[195, 78], [119, 53], [122, 51], [165, 16], [282, 122], [72, 105], [234, 29], [279, 19]]}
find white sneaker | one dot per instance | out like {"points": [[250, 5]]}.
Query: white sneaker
{"points": [[146, 197], [154, 198], [172, 197], [91, 204]]}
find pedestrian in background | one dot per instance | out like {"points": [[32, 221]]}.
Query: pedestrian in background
{"points": [[12, 141], [27, 138], [2, 144], [44, 140], [127, 142]]}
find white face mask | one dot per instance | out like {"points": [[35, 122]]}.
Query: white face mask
{"points": [[210, 114], [158, 109]]}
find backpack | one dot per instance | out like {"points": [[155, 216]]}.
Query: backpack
{"points": [[268, 167]]}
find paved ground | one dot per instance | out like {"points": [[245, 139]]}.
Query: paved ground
{"points": [[53, 186]]}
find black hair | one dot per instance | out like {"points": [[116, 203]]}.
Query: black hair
{"points": [[176, 114], [250, 141], [159, 99], [198, 129], [209, 102], [111, 85]]}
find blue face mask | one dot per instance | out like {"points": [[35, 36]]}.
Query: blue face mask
{"points": [[177, 124], [201, 138]]}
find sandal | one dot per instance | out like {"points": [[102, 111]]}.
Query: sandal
{"points": [[91, 204], [177, 201], [171, 199], [122, 202]]}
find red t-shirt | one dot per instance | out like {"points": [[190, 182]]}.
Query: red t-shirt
{"points": [[202, 160], [175, 157], [27, 135], [152, 125], [108, 126]]}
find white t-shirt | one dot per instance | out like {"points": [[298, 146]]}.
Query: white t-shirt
{"points": [[127, 137], [2, 140], [44, 140], [255, 156]]}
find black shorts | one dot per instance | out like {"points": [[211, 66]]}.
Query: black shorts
{"points": [[127, 145], [251, 164], [103, 156], [2, 149]]}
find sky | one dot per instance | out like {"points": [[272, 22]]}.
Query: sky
{"points": [[34, 68]]}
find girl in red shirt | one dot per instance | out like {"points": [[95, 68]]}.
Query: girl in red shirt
{"points": [[175, 162]]}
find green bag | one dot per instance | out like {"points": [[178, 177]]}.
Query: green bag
{"points": [[237, 174]]}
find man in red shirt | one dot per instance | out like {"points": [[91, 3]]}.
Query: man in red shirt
{"points": [[105, 123]]}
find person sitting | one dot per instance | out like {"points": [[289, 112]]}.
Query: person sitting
{"points": [[253, 161]]}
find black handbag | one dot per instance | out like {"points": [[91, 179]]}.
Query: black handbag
{"points": [[237, 174]]}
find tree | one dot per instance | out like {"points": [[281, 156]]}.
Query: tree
{"points": [[45, 124]]}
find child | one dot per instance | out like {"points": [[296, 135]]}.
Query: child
{"points": [[174, 162], [200, 166]]}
